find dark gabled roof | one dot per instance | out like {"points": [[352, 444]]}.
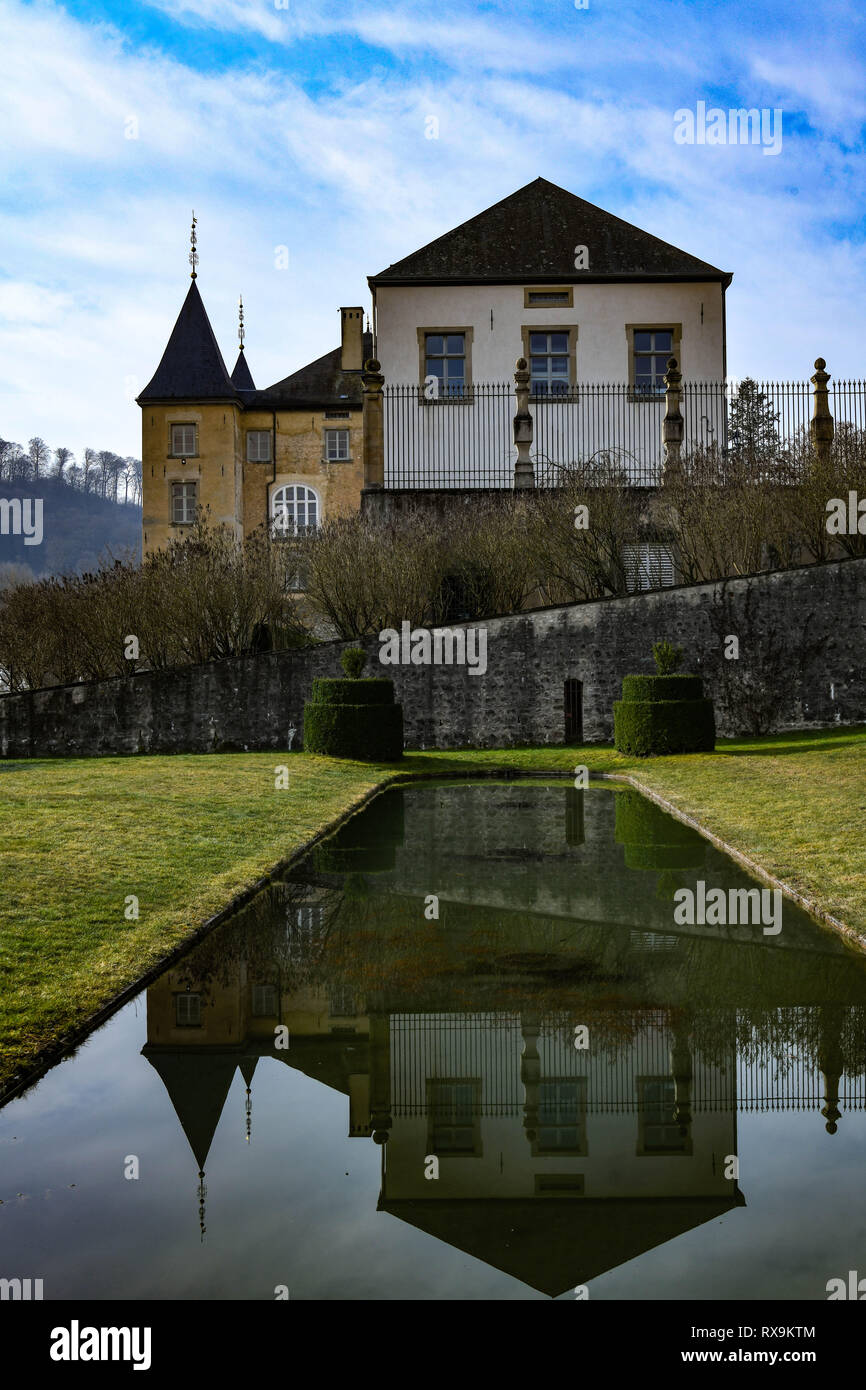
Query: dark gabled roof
{"points": [[530, 237], [192, 367], [552, 1243], [242, 378], [320, 385]]}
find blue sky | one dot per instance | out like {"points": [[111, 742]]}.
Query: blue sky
{"points": [[304, 126]]}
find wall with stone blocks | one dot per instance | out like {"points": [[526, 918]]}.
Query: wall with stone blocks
{"points": [[802, 664]]}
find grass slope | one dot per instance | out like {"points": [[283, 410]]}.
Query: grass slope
{"points": [[185, 834]]}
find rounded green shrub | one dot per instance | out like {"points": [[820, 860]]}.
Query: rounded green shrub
{"points": [[353, 661], [647, 728]]}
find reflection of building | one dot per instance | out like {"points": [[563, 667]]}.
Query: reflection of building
{"points": [[454, 1039], [554, 1163]]}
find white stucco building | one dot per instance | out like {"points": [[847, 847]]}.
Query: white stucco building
{"points": [[596, 307]]}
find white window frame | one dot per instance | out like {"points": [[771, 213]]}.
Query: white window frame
{"points": [[181, 490], [649, 565], [263, 994], [551, 378], [179, 451], [258, 446], [285, 502], [338, 437], [183, 1005]]}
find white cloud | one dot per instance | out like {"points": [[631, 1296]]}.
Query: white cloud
{"points": [[96, 236]]}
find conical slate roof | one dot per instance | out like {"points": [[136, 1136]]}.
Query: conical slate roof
{"points": [[197, 1085], [192, 366], [530, 237], [242, 378]]}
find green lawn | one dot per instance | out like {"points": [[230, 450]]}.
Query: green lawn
{"points": [[185, 834]]}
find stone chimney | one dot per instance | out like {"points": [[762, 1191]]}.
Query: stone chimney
{"points": [[352, 353]]}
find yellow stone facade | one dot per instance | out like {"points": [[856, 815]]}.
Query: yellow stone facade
{"points": [[238, 492], [233, 479]]}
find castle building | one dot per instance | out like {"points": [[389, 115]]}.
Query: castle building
{"points": [[285, 456]]}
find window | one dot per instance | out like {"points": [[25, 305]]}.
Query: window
{"points": [[445, 360], [648, 567], [336, 445], [548, 363], [564, 297], [183, 501], [561, 1117], [652, 348], [294, 509], [259, 446], [341, 1002], [658, 1131], [453, 1109], [264, 1001], [188, 1010], [183, 442]]}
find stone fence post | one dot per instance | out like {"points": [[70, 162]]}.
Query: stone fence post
{"points": [[373, 425], [524, 474], [821, 426], [673, 425]]}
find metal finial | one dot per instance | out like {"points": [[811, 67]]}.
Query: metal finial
{"points": [[241, 322], [193, 254]]}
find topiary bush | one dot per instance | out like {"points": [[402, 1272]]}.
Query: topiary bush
{"points": [[652, 838], [353, 661], [354, 718], [662, 714]]}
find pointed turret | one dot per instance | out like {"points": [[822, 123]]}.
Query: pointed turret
{"points": [[192, 366], [241, 376]]}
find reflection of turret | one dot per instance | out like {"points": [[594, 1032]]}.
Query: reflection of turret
{"points": [[197, 1086], [247, 1068], [831, 1064]]}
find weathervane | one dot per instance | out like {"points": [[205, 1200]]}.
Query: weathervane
{"points": [[241, 322], [193, 254]]}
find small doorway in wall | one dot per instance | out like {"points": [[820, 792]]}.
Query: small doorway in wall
{"points": [[573, 712]]}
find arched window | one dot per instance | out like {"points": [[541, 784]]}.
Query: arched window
{"points": [[294, 509]]}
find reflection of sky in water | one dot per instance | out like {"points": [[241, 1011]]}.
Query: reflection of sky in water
{"points": [[297, 1206]]}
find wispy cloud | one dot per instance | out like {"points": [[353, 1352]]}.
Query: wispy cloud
{"points": [[110, 143]]}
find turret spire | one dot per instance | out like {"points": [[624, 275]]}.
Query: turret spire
{"points": [[241, 323], [193, 253]]}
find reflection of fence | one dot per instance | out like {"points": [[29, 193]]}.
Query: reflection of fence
{"points": [[466, 441], [489, 1048]]}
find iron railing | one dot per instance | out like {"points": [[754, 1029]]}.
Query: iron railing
{"points": [[466, 441], [489, 1048]]}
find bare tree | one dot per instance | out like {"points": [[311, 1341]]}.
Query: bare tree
{"points": [[39, 454], [62, 457]]}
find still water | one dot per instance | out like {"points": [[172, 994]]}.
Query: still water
{"points": [[372, 1083]]}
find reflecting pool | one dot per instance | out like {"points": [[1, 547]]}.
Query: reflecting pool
{"points": [[464, 1050]]}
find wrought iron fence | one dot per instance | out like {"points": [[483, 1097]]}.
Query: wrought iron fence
{"points": [[465, 440], [490, 1047]]}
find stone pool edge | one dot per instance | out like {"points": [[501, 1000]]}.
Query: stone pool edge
{"points": [[54, 1053]]}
